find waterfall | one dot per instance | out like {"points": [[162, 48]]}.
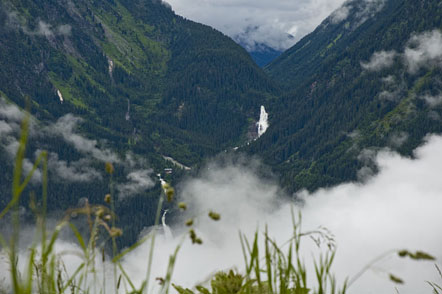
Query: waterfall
{"points": [[263, 122], [167, 231], [60, 96], [128, 110]]}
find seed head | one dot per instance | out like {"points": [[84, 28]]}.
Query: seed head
{"points": [[215, 216], [182, 206], [107, 198], [116, 232], [419, 255], [189, 222], [170, 192], [99, 212], [109, 168], [194, 238], [403, 253], [395, 279]]}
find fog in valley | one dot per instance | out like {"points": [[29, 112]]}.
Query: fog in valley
{"points": [[399, 208]]}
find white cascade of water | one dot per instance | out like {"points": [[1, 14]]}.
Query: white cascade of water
{"points": [[60, 96], [166, 228], [263, 123]]}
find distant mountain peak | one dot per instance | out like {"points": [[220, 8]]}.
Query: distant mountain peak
{"points": [[262, 47], [259, 38]]}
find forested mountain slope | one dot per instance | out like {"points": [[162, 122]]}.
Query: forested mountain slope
{"points": [[367, 77], [131, 83], [121, 81]]}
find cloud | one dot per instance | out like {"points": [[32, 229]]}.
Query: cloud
{"points": [[10, 119], [77, 171], [278, 24], [10, 111], [70, 171], [394, 90], [339, 14], [65, 127], [138, 182], [267, 22], [5, 128], [397, 208], [10, 128], [423, 51], [368, 9], [64, 30], [379, 61], [16, 21], [43, 29], [397, 140], [431, 100], [47, 30], [361, 10]]}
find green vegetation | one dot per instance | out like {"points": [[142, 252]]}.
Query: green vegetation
{"points": [[45, 271], [328, 96], [150, 83], [187, 89]]}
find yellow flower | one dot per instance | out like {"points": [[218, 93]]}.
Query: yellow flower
{"points": [[109, 168]]}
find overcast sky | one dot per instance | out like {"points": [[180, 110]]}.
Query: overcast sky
{"points": [[275, 18]]}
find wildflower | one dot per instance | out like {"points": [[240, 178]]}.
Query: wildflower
{"points": [[109, 168], [403, 253], [194, 238], [99, 212], [182, 206], [395, 279], [189, 222], [169, 192], [419, 255], [107, 198], [116, 232], [215, 216]]}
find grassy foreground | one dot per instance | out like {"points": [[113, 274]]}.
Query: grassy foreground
{"points": [[269, 267]]}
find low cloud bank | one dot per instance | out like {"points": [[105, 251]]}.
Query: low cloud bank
{"points": [[396, 209], [423, 50], [91, 151], [259, 21], [278, 24]]}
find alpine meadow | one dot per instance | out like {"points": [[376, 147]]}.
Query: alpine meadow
{"points": [[220, 147]]}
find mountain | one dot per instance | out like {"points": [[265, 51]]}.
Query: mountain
{"points": [[132, 84], [264, 55], [367, 78], [263, 44], [126, 82]]}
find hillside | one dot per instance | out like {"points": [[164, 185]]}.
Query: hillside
{"points": [[368, 77], [122, 81], [131, 83]]}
